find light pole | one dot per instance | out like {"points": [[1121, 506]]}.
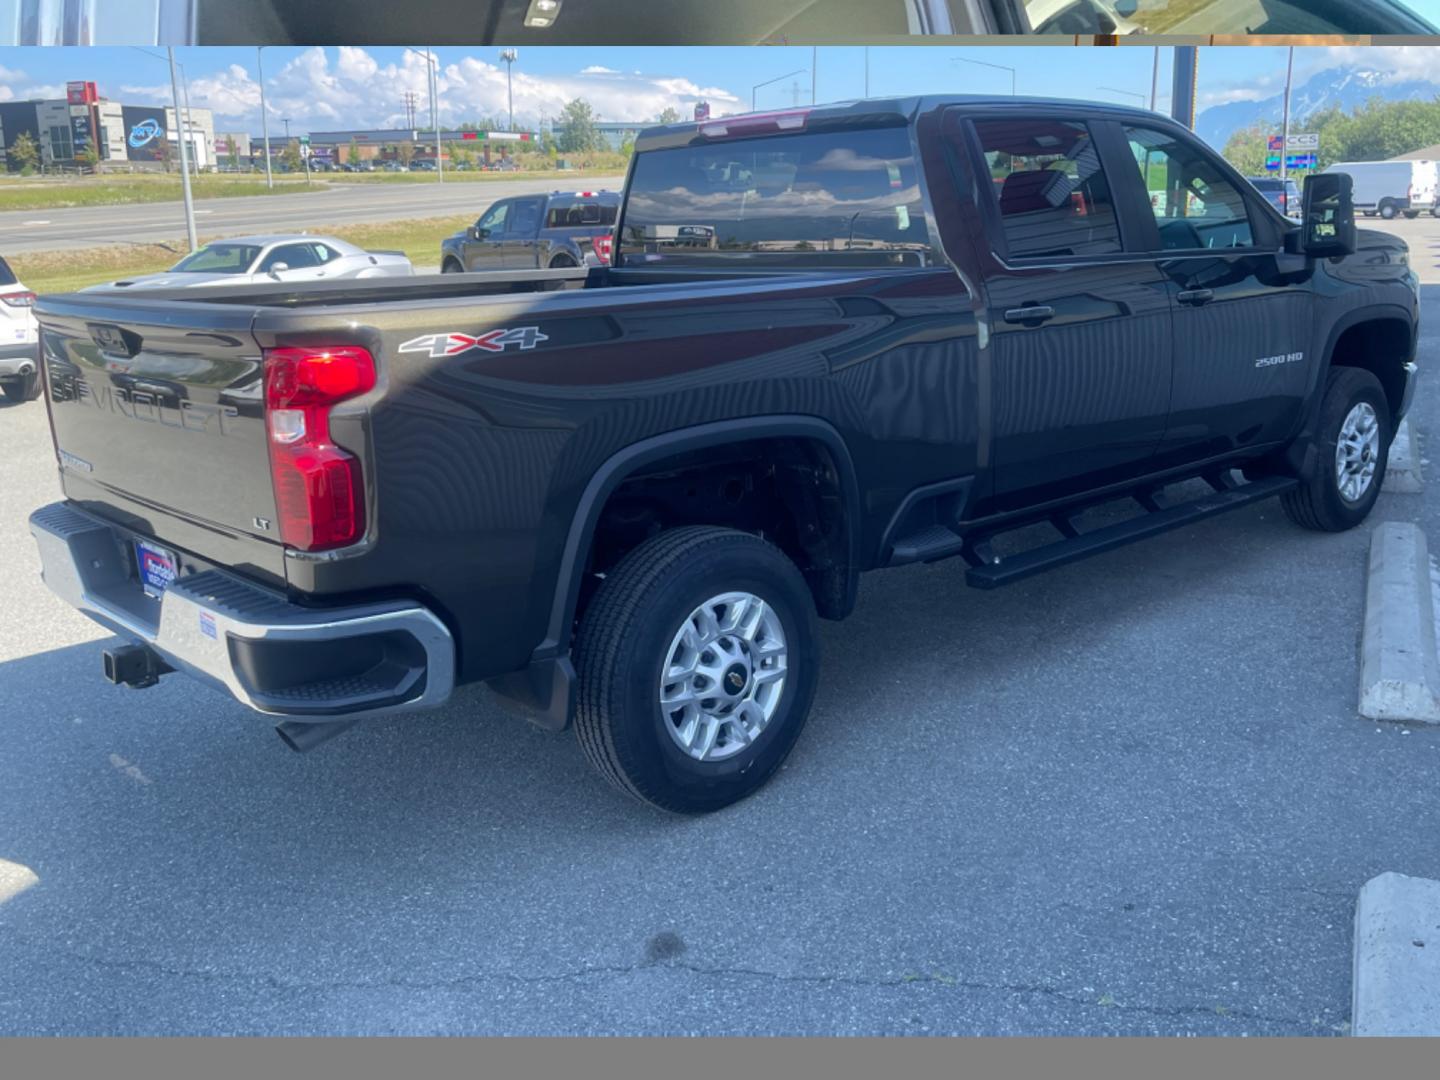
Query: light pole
{"points": [[1285, 124], [432, 78], [188, 125], [509, 56], [183, 139], [982, 63], [767, 82], [264, 116], [1155, 78]]}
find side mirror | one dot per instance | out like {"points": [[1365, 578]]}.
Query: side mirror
{"points": [[477, 233], [1327, 226], [276, 269]]}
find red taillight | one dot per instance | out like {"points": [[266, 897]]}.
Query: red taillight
{"points": [[604, 247], [755, 124], [20, 299], [319, 488]]}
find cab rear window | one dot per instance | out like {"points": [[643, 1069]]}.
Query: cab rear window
{"points": [[820, 198], [7, 276], [580, 215]]}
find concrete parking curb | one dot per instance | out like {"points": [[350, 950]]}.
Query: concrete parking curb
{"points": [[1399, 669], [1402, 471], [1396, 987]]}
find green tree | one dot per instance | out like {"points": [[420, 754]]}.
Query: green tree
{"points": [[89, 158], [1246, 149], [406, 152], [578, 133], [352, 153], [627, 146], [290, 158], [24, 153], [548, 145], [668, 115], [232, 152]]}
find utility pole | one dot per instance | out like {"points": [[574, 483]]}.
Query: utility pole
{"points": [[1182, 93], [814, 71], [1285, 123], [867, 71], [509, 56], [264, 115], [184, 156], [1155, 79]]}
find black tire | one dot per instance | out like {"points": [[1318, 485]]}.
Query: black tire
{"points": [[626, 635], [1412, 214], [1387, 210], [1435, 211], [1317, 503], [450, 266], [24, 388], [562, 262]]}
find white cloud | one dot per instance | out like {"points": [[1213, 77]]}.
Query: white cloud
{"points": [[9, 75], [1394, 63], [348, 88]]}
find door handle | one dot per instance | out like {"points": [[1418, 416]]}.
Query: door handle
{"points": [[1195, 297], [1031, 315]]}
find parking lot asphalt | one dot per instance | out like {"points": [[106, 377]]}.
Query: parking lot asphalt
{"points": [[1130, 796]]}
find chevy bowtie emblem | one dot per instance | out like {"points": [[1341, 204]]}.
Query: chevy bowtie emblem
{"points": [[455, 344]]}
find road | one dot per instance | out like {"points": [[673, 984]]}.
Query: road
{"points": [[336, 204], [1131, 796]]}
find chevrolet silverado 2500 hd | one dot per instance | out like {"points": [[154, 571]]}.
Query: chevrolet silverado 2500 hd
{"points": [[830, 340]]}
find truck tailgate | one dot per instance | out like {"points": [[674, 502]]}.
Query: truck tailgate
{"points": [[158, 414]]}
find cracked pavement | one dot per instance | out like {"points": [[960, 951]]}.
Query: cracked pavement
{"points": [[1131, 796]]}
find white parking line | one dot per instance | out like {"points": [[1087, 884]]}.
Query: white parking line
{"points": [[37, 223]]}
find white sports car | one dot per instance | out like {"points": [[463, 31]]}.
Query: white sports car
{"points": [[256, 260]]}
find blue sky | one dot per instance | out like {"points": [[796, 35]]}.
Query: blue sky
{"points": [[332, 88]]}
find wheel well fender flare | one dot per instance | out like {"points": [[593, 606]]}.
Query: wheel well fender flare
{"points": [[623, 463]]}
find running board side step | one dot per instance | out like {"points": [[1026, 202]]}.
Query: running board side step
{"points": [[988, 572]]}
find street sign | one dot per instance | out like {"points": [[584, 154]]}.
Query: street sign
{"points": [[1310, 141], [304, 140], [1292, 161]]}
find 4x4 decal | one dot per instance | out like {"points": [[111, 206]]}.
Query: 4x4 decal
{"points": [[454, 343]]}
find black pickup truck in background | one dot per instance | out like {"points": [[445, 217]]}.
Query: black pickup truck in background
{"points": [[536, 232], [831, 340]]}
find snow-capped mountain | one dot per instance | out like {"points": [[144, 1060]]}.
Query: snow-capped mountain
{"points": [[1349, 88]]}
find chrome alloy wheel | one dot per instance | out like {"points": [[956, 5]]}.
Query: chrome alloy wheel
{"points": [[724, 676], [1357, 452]]}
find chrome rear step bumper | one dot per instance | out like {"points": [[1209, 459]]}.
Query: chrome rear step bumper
{"points": [[311, 665]]}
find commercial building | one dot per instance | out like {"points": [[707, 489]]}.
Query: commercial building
{"points": [[67, 130], [383, 144]]}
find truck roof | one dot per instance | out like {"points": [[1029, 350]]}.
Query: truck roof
{"points": [[900, 109]]}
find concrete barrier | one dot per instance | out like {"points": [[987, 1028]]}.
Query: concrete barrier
{"points": [[1399, 668], [1396, 987], [1402, 471]]}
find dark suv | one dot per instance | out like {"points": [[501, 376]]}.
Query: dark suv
{"points": [[1283, 195]]}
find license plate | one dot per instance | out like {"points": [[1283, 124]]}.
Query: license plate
{"points": [[157, 567]]}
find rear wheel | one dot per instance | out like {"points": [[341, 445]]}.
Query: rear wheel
{"points": [[1387, 209], [1353, 438], [22, 388], [1412, 214], [562, 262], [697, 664]]}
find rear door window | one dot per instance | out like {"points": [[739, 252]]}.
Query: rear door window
{"points": [[811, 199], [1053, 197]]}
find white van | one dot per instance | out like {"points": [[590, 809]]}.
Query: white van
{"points": [[19, 339], [1388, 188]]}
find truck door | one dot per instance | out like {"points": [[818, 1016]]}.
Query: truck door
{"points": [[1243, 308], [485, 247], [522, 234], [1080, 329]]}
